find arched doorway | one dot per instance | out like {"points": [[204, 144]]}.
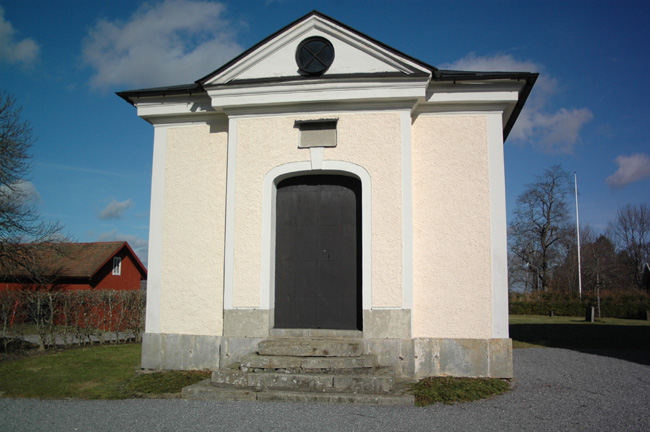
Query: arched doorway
{"points": [[318, 253]]}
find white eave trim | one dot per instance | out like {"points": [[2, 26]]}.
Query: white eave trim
{"points": [[317, 91], [475, 97], [196, 106]]}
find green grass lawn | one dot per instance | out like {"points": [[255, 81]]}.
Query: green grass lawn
{"points": [[574, 332], [97, 372]]}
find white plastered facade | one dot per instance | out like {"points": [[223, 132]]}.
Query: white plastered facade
{"points": [[429, 157]]}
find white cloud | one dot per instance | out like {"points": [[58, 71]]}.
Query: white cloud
{"points": [[28, 192], [22, 191], [168, 43], [630, 169], [12, 50], [553, 132], [115, 209], [139, 245]]}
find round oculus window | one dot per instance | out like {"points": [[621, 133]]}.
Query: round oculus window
{"points": [[314, 55]]}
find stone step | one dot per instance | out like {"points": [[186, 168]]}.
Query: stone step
{"points": [[293, 364], [205, 390], [304, 347], [381, 381]]}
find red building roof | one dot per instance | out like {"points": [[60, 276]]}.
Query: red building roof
{"points": [[69, 260]]}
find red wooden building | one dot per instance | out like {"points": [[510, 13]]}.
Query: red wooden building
{"points": [[78, 266]]}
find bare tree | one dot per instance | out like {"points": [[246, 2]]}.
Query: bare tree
{"points": [[630, 231], [539, 232], [20, 221], [519, 276], [601, 265]]}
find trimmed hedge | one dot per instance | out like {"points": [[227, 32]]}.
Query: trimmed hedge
{"points": [[631, 305], [74, 317]]}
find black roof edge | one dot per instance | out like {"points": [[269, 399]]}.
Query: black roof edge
{"points": [[303, 18], [523, 96], [456, 75], [160, 91]]}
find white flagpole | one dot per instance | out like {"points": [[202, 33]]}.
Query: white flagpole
{"points": [[575, 176]]}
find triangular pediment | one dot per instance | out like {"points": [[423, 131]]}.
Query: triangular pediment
{"points": [[354, 54]]}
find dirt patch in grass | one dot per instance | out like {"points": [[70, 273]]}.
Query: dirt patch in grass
{"points": [[87, 385], [450, 390]]}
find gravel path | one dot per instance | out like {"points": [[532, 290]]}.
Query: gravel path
{"points": [[556, 390]]}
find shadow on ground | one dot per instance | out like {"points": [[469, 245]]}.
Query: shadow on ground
{"points": [[631, 343]]}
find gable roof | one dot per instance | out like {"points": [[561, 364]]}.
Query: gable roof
{"points": [[71, 260], [256, 65]]}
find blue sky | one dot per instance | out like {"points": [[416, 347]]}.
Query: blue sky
{"points": [[63, 61]]}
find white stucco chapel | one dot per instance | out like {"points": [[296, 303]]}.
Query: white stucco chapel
{"points": [[323, 184]]}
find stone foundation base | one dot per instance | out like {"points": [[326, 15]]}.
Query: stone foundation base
{"points": [[386, 334], [422, 357], [411, 358], [180, 351]]}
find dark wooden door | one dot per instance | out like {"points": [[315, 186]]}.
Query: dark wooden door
{"points": [[318, 253]]}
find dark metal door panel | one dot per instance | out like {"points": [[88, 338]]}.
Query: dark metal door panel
{"points": [[318, 274]]}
